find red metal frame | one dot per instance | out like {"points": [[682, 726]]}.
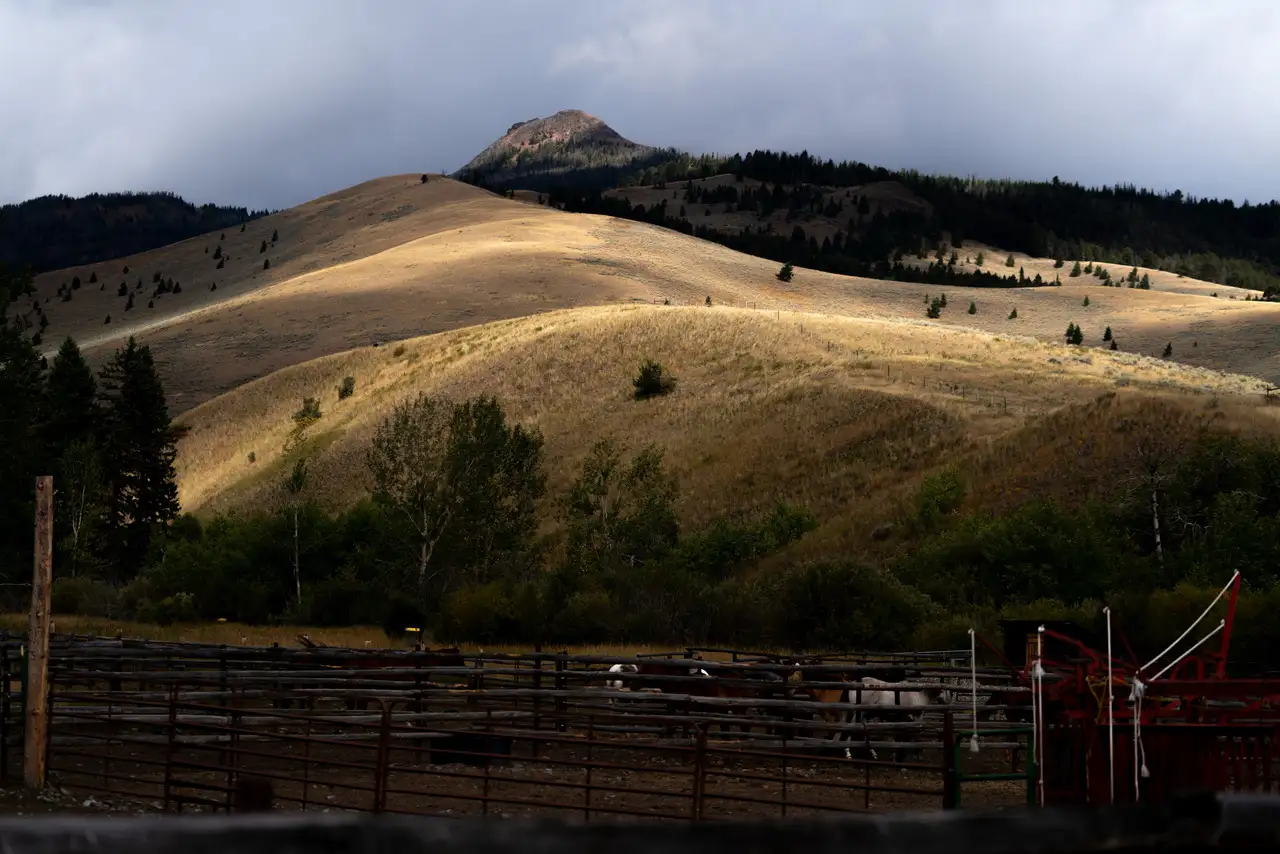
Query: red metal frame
{"points": [[1196, 727]]}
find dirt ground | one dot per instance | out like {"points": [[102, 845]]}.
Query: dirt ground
{"points": [[603, 780]]}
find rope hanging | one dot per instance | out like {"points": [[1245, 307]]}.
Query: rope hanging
{"points": [[1111, 714], [973, 687]]}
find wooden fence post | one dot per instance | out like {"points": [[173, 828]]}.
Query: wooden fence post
{"points": [[36, 703]]}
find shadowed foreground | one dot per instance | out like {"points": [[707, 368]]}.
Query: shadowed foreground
{"points": [[1191, 824]]}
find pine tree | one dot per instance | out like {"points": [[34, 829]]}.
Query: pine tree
{"points": [[137, 456], [22, 393], [1113, 344], [1075, 269], [977, 262], [973, 307], [1168, 350], [71, 409], [1013, 315], [275, 235], [266, 264], [1145, 284], [1074, 335], [942, 301], [1085, 303], [1106, 335], [785, 273], [1058, 262], [93, 278], [1008, 262], [262, 248]]}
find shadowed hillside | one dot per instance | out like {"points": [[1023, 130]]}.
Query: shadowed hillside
{"points": [[54, 232]]}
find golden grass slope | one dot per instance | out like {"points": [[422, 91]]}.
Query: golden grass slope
{"points": [[840, 414], [393, 258]]}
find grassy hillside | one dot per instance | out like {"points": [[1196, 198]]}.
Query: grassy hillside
{"points": [[839, 414], [394, 258]]}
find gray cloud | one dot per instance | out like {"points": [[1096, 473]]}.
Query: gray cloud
{"points": [[270, 104]]}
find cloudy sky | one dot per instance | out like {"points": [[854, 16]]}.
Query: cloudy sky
{"points": [[268, 103]]}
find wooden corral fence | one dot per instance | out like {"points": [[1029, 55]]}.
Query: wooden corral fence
{"points": [[180, 726]]}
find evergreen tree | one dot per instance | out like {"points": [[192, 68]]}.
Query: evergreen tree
{"points": [[137, 457], [1075, 269], [1085, 302], [275, 235], [1058, 262], [1168, 350], [1013, 315], [942, 301], [266, 264], [977, 262], [785, 273], [71, 411], [1113, 344], [1074, 335], [1106, 335], [973, 307], [1145, 284], [22, 393], [262, 248], [1009, 262]]}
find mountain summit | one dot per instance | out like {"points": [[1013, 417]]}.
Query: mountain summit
{"points": [[568, 148]]}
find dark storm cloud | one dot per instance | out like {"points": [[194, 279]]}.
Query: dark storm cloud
{"points": [[270, 104]]}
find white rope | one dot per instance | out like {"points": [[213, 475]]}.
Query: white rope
{"points": [[1139, 765], [1221, 624], [1221, 593], [1111, 714], [973, 689], [1038, 676]]}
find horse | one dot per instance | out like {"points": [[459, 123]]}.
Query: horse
{"points": [[897, 706]]}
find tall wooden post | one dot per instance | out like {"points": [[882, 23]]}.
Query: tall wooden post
{"points": [[36, 702]]}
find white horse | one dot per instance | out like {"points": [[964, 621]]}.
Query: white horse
{"points": [[620, 684], [899, 706]]}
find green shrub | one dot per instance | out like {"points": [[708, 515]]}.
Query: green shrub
{"points": [[941, 493], [652, 381], [84, 596], [347, 388], [178, 608], [310, 410], [844, 606]]}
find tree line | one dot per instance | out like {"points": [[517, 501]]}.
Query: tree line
{"points": [[1211, 239], [53, 232], [106, 439]]}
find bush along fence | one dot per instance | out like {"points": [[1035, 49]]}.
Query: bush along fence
{"points": [[192, 726]]}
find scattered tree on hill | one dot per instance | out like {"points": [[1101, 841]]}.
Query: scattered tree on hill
{"points": [[1113, 344], [1088, 268], [955, 258], [266, 264], [177, 287], [151, 303], [942, 300], [275, 235], [1009, 262], [213, 286], [708, 302], [1022, 274], [347, 388], [262, 248], [220, 263], [978, 260], [1145, 284], [1074, 335], [75, 283], [1133, 275], [786, 272], [138, 450], [652, 381], [1168, 350], [309, 413], [973, 307], [935, 309], [1106, 335], [1058, 262], [108, 320], [125, 272], [1075, 269], [217, 252], [1085, 301]]}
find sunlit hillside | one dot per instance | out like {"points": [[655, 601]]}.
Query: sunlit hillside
{"points": [[841, 414]]}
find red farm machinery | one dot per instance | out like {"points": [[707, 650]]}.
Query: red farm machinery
{"points": [[1107, 728]]}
